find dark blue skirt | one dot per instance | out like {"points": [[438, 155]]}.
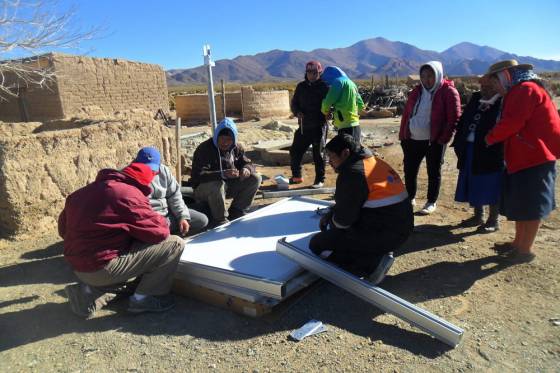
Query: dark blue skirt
{"points": [[477, 190], [529, 194]]}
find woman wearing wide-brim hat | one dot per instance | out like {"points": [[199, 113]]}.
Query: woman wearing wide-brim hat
{"points": [[529, 127]]}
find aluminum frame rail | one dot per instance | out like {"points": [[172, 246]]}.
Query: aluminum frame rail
{"points": [[267, 287], [291, 287], [296, 192], [422, 319]]}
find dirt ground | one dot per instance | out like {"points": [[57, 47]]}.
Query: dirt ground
{"points": [[508, 312]]}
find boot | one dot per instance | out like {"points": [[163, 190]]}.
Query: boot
{"points": [[492, 224], [476, 220], [235, 213]]}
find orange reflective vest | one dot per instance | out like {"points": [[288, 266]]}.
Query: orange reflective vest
{"points": [[384, 184]]}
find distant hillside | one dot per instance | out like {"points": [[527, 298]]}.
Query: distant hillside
{"points": [[377, 56]]}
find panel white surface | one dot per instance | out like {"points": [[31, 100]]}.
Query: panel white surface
{"points": [[248, 245]]}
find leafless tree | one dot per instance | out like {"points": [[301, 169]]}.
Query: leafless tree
{"points": [[29, 28]]}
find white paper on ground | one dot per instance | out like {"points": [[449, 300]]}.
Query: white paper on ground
{"points": [[310, 328]]}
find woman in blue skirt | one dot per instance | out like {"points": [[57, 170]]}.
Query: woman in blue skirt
{"points": [[529, 127], [480, 166]]}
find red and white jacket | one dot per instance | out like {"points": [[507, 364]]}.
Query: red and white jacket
{"points": [[446, 110]]}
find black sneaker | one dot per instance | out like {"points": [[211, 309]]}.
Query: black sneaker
{"points": [[151, 303], [473, 221], [382, 268], [318, 184], [491, 226], [234, 213], [84, 303]]}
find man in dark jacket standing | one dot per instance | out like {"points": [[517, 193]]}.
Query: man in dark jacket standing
{"points": [[372, 215], [221, 169], [306, 106], [111, 234]]}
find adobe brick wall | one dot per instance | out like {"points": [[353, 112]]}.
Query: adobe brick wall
{"points": [[264, 104], [42, 103], [41, 164], [110, 84], [194, 107]]}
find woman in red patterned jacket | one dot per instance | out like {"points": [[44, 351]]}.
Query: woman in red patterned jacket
{"points": [[529, 127]]}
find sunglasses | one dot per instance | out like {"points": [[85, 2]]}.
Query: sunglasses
{"points": [[312, 71]]}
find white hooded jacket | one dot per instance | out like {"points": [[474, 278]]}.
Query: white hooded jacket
{"points": [[420, 120]]}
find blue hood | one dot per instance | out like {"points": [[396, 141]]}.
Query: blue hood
{"points": [[331, 73], [226, 123]]}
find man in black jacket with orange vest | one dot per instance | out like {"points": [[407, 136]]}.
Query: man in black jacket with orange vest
{"points": [[372, 215], [306, 106]]}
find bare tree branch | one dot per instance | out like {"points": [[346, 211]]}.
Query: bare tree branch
{"points": [[31, 28]]}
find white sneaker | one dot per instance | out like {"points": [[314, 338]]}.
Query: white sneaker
{"points": [[318, 185], [413, 202], [428, 208]]}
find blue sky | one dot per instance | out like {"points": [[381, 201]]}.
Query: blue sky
{"points": [[171, 33]]}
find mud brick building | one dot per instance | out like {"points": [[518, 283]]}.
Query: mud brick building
{"points": [[111, 85]]}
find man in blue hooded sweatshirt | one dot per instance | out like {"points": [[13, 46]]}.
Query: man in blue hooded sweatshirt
{"points": [[221, 169], [344, 101]]}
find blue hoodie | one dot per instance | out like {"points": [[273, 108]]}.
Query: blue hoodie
{"points": [[226, 123], [209, 162], [331, 73], [343, 97]]}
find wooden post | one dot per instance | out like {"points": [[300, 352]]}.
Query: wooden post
{"points": [[178, 144], [223, 98]]}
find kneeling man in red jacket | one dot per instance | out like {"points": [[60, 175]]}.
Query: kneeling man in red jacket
{"points": [[111, 235]]}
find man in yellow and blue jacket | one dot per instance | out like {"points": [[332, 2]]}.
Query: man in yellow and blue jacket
{"points": [[343, 100]]}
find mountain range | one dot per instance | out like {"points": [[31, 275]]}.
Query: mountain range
{"points": [[377, 56]]}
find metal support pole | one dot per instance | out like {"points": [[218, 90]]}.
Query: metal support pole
{"points": [[430, 323], [211, 100], [224, 98], [178, 145]]}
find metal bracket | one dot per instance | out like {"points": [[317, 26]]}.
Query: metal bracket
{"points": [[430, 323]]}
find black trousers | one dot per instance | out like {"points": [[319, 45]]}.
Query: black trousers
{"points": [[358, 255], [316, 137], [414, 152], [355, 132]]}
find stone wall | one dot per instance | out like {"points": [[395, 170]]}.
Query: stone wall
{"points": [[264, 104], [195, 107], [41, 164], [109, 84]]}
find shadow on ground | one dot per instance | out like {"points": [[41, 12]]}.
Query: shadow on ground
{"points": [[430, 236], [329, 304]]}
